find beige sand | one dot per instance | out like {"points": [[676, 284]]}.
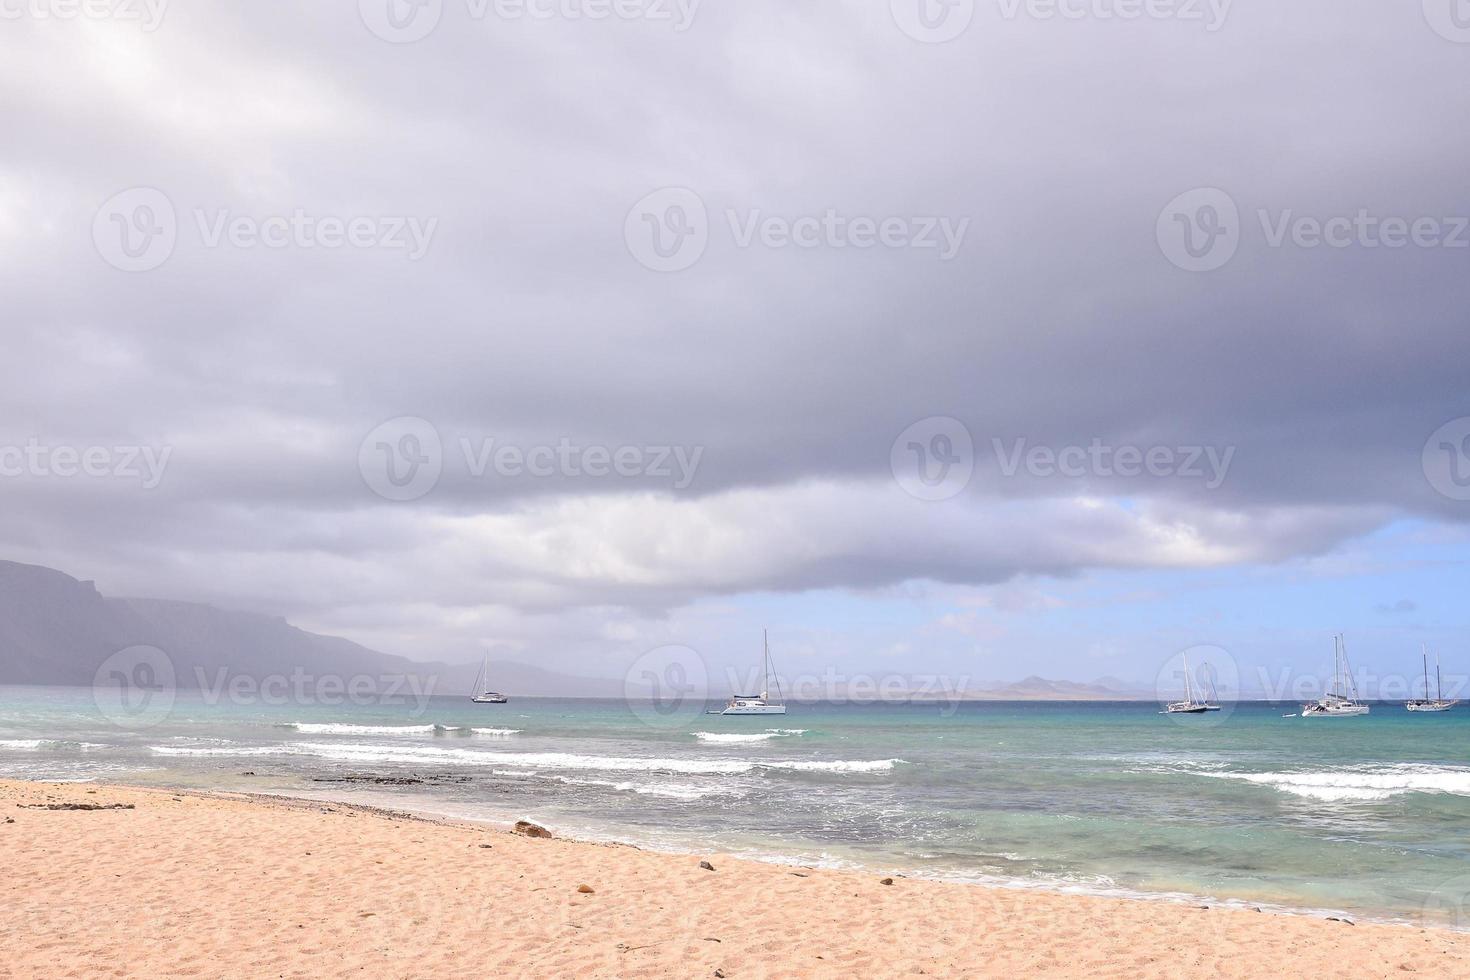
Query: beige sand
{"points": [[232, 887]]}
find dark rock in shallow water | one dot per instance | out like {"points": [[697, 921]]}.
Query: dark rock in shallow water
{"points": [[413, 779], [528, 829], [706, 866]]}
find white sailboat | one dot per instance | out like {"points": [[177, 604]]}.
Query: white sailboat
{"points": [[482, 693], [1436, 703], [762, 703], [1191, 705], [1341, 699]]}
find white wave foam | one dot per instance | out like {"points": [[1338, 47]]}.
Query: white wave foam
{"points": [[871, 765], [1365, 784], [20, 743], [736, 738], [495, 732], [671, 791], [430, 755], [53, 744], [312, 728], [234, 750], [729, 738]]}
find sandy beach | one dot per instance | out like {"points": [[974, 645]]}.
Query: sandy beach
{"points": [[149, 882]]}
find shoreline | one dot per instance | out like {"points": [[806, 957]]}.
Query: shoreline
{"points": [[776, 859], [805, 862], [164, 881]]}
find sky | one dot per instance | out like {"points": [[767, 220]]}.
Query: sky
{"points": [[976, 339]]}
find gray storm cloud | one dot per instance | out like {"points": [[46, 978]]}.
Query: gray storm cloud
{"points": [[526, 316]]}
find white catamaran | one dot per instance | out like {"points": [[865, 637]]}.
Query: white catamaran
{"points": [[1436, 703], [1341, 699], [482, 693], [1192, 704], [763, 703]]}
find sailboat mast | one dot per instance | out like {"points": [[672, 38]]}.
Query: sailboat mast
{"points": [[1438, 680], [1188, 687], [1424, 652], [1336, 663], [766, 661]]}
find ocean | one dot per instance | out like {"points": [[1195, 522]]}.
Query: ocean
{"points": [[1367, 817]]}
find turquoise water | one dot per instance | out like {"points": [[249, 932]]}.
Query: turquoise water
{"points": [[1368, 816]]}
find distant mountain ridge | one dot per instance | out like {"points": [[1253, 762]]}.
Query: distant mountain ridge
{"points": [[1035, 688]]}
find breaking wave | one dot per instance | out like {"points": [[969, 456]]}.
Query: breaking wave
{"points": [[738, 738], [1365, 784]]}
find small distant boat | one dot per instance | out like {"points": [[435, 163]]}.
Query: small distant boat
{"points": [[1191, 705], [762, 703], [1436, 703], [482, 693], [1341, 699]]}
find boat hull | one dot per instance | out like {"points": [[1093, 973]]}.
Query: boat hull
{"points": [[1430, 705], [1352, 712], [490, 699], [755, 709]]}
